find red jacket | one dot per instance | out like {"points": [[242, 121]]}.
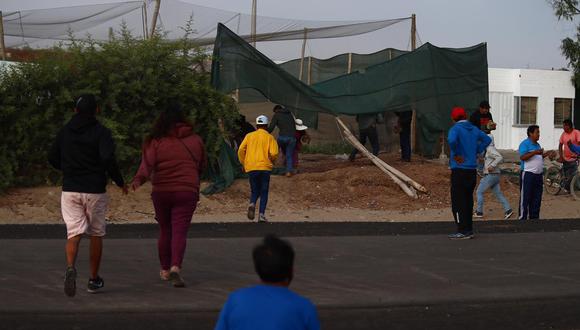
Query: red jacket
{"points": [[169, 164]]}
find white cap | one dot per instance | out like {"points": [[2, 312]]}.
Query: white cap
{"points": [[262, 120], [300, 125]]}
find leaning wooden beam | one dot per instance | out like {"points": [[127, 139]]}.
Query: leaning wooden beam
{"points": [[396, 172], [355, 143], [410, 191]]}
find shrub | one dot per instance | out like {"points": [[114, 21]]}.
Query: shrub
{"points": [[133, 81]]}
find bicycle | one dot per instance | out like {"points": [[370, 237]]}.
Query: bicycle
{"points": [[554, 179]]}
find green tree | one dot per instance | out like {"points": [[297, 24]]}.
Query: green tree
{"points": [[133, 80], [568, 10]]}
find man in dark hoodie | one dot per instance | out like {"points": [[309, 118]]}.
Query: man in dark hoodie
{"points": [[284, 120], [85, 152], [465, 143]]}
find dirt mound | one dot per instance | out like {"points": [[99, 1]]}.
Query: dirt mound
{"points": [[326, 187]]}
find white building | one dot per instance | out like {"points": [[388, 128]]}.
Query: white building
{"points": [[522, 97]]}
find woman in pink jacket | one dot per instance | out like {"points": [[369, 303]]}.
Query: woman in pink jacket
{"points": [[173, 159]]}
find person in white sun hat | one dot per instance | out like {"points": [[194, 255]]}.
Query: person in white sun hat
{"points": [[257, 154], [302, 137]]}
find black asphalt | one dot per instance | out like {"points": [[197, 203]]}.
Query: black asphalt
{"points": [[359, 275], [297, 229]]}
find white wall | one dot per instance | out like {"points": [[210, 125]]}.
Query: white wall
{"points": [[546, 85]]}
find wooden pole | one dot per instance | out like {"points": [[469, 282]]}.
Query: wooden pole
{"points": [[309, 77], [2, 44], [349, 69], [254, 13], [413, 32], [155, 16], [302, 56], [390, 55], [145, 21], [400, 178], [414, 116]]}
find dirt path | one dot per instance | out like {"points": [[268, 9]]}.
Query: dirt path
{"points": [[327, 189]]}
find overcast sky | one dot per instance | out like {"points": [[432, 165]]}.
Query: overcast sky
{"points": [[519, 33]]}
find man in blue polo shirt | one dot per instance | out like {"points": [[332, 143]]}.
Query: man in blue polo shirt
{"points": [[270, 305], [531, 177]]}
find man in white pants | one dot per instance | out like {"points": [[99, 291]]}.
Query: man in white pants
{"points": [[85, 152]]}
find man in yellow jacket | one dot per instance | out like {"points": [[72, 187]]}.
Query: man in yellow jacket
{"points": [[257, 154]]}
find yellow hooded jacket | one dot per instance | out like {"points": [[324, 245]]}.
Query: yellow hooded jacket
{"points": [[258, 151]]}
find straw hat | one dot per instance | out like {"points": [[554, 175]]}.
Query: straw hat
{"points": [[300, 125]]}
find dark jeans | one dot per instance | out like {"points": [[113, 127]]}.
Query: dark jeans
{"points": [[531, 189], [373, 137], [260, 184], [462, 185], [173, 212], [569, 169], [405, 141], [287, 144]]}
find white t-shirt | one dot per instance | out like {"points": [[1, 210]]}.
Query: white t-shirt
{"points": [[536, 163]]}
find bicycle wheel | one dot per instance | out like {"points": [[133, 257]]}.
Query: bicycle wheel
{"points": [[552, 179], [575, 187]]}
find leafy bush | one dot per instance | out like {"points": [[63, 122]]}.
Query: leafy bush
{"points": [[133, 81]]}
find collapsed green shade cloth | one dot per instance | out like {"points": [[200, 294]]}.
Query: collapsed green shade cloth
{"points": [[429, 80]]}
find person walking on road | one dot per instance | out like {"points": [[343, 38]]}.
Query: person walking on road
{"points": [[84, 151], [173, 159], [465, 143], [491, 178], [257, 154]]}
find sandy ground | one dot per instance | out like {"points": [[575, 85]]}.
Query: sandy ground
{"points": [[327, 189]]}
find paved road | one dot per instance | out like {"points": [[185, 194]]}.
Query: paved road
{"points": [[498, 280]]}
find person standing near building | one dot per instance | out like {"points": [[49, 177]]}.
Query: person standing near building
{"points": [[367, 128], [404, 128], [465, 143], [173, 159], [284, 120], [481, 117], [491, 178], [568, 158], [84, 151], [271, 304], [257, 154], [531, 177]]}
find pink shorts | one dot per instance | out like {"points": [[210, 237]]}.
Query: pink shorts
{"points": [[84, 213]]}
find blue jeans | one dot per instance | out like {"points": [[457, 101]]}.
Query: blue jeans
{"points": [[491, 181], [260, 184], [287, 144]]}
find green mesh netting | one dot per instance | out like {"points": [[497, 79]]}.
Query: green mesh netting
{"points": [[430, 80], [316, 70]]}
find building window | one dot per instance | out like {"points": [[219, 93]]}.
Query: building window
{"points": [[562, 110], [526, 109]]}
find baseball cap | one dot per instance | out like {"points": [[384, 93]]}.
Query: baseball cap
{"points": [[262, 120], [458, 113]]}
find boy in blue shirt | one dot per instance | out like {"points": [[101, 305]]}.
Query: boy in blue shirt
{"points": [[465, 142], [270, 305], [531, 177]]}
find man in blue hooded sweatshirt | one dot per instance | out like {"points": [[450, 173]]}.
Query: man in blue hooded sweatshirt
{"points": [[465, 142]]}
